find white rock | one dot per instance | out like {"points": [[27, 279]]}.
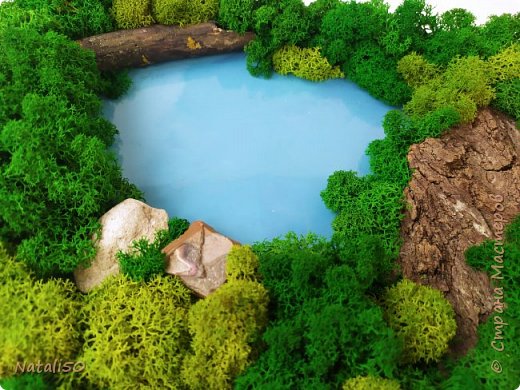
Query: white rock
{"points": [[130, 220]]}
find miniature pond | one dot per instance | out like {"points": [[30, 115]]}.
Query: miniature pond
{"points": [[205, 140]]}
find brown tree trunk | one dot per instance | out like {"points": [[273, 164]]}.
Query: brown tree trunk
{"points": [[158, 43]]}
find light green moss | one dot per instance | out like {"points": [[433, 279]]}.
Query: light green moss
{"points": [[184, 12], [136, 333], [225, 327], [370, 383], [242, 263], [306, 63], [38, 320], [423, 318], [132, 13]]}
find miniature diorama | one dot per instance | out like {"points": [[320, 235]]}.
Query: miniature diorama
{"points": [[259, 194]]}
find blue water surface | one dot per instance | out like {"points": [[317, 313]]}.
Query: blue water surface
{"points": [[206, 141]]}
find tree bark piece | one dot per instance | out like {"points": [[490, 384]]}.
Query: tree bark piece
{"points": [[149, 45], [457, 182]]}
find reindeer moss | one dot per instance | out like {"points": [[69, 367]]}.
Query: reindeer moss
{"points": [[423, 318], [306, 63], [39, 319], [136, 333], [227, 325], [370, 383]]}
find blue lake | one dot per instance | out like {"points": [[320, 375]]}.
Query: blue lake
{"points": [[206, 141]]}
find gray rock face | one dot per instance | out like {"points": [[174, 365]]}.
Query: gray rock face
{"points": [[130, 220], [198, 257]]}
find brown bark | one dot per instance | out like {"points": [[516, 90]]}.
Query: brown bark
{"points": [[158, 43], [457, 182]]}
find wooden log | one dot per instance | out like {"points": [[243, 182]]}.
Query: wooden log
{"points": [[149, 45]]}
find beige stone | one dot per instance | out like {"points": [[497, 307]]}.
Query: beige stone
{"points": [[126, 222], [198, 257]]}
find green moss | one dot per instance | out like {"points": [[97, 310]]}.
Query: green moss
{"points": [[466, 84], [323, 328], [132, 13], [144, 259], [376, 211], [370, 383], [306, 63], [57, 176], [39, 320], [423, 318], [74, 18], [224, 326], [136, 333], [242, 264], [237, 15], [26, 382]]}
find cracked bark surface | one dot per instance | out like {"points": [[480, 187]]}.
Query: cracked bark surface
{"points": [[149, 45], [452, 200]]}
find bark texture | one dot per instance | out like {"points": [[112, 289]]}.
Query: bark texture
{"points": [[149, 45], [458, 181]]}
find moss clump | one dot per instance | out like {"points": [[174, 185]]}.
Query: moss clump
{"points": [[132, 13], [465, 84], [306, 63], [422, 317], [26, 382], [242, 263], [184, 12], [38, 321], [226, 326], [370, 383], [145, 259], [136, 333]]}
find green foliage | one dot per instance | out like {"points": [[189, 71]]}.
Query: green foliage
{"points": [[39, 320], [306, 63], [241, 264], [505, 65], [499, 32], [13, 15], [414, 22], [237, 15], [347, 25], [144, 260], [323, 328], [224, 326], [376, 211], [416, 70], [184, 12], [115, 84], [370, 383], [26, 382], [276, 24], [136, 333], [465, 85], [506, 98], [372, 69], [422, 317], [132, 13], [74, 18], [455, 19], [342, 189], [57, 176], [176, 227]]}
